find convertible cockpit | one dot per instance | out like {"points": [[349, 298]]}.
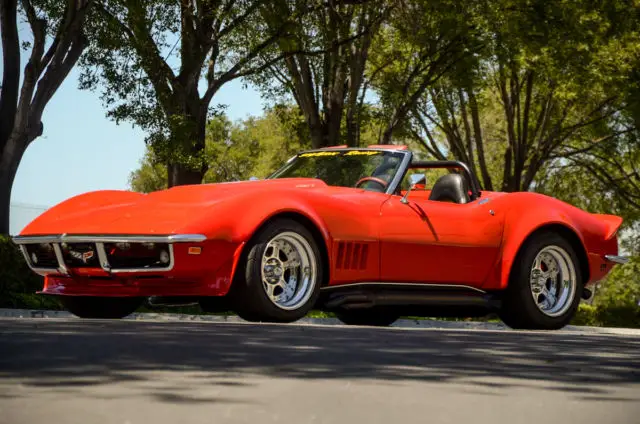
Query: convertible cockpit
{"points": [[383, 169]]}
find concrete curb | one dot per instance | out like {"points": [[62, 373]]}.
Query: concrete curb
{"points": [[403, 323]]}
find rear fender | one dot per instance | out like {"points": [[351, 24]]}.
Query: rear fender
{"points": [[519, 225], [611, 224]]}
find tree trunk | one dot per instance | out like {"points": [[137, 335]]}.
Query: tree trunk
{"points": [[181, 175], [190, 140], [353, 128], [477, 131], [317, 136], [10, 159], [5, 202]]}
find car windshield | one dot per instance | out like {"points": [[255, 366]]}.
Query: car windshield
{"points": [[345, 168]]}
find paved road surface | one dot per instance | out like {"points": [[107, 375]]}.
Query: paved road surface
{"points": [[67, 371]]}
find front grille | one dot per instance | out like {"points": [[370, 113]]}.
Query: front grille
{"points": [[80, 255], [138, 255], [42, 256], [120, 256]]}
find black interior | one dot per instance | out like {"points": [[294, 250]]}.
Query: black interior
{"points": [[450, 188]]}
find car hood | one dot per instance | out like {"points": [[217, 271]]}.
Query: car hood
{"points": [[161, 212]]}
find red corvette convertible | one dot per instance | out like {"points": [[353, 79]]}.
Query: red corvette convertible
{"points": [[369, 234]]}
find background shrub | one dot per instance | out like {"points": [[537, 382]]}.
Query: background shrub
{"points": [[18, 284]]}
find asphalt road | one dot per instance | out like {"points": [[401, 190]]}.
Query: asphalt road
{"points": [[66, 371]]}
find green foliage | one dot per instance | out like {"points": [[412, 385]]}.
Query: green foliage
{"points": [[561, 77], [254, 147], [160, 63], [587, 316], [18, 283], [151, 176], [617, 299], [15, 275]]}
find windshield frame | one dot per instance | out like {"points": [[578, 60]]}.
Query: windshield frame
{"points": [[395, 181]]}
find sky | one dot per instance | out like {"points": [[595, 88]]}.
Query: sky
{"points": [[82, 150]]}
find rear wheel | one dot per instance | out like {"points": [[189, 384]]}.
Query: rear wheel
{"points": [[279, 276], [375, 317], [545, 286], [100, 307]]}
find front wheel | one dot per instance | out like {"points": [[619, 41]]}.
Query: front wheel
{"points": [[100, 307], [545, 286], [279, 276]]}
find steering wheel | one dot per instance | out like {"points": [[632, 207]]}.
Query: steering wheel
{"points": [[377, 180]]}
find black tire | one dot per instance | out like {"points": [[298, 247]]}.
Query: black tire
{"points": [[519, 310], [100, 307], [249, 298], [374, 317]]}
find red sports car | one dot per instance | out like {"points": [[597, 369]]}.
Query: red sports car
{"points": [[361, 232]]}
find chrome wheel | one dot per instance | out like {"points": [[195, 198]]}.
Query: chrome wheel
{"points": [[553, 281], [288, 270]]}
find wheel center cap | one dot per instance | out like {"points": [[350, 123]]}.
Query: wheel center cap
{"points": [[273, 269]]}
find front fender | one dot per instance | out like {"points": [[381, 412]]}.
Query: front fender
{"points": [[239, 217], [80, 208]]}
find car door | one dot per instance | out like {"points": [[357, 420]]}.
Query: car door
{"points": [[438, 242]]}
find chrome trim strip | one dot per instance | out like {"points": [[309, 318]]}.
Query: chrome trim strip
{"points": [[65, 238], [36, 239], [38, 270], [617, 259], [62, 267], [187, 238], [102, 257], [27, 259], [166, 269], [401, 172], [99, 241], [417, 285]]}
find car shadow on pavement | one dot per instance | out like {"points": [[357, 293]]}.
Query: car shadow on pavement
{"points": [[82, 353]]}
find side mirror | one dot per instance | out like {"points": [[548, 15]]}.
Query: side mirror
{"points": [[414, 180]]}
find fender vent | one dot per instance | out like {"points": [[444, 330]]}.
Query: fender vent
{"points": [[352, 255]]}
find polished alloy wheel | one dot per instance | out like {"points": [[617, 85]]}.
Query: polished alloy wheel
{"points": [[288, 270], [553, 281]]}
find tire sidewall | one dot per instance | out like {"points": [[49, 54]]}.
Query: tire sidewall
{"points": [[520, 306], [251, 299]]}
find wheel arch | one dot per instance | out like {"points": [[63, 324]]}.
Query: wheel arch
{"points": [[318, 233], [564, 231]]}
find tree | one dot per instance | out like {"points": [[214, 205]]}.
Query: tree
{"points": [[422, 42], [329, 85], [22, 106], [237, 151], [161, 64], [557, 74]]}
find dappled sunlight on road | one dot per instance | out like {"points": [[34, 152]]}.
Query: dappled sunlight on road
{"points": [[77, 354]]}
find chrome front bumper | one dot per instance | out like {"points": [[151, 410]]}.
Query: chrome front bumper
{"points": [[99, 241]]}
